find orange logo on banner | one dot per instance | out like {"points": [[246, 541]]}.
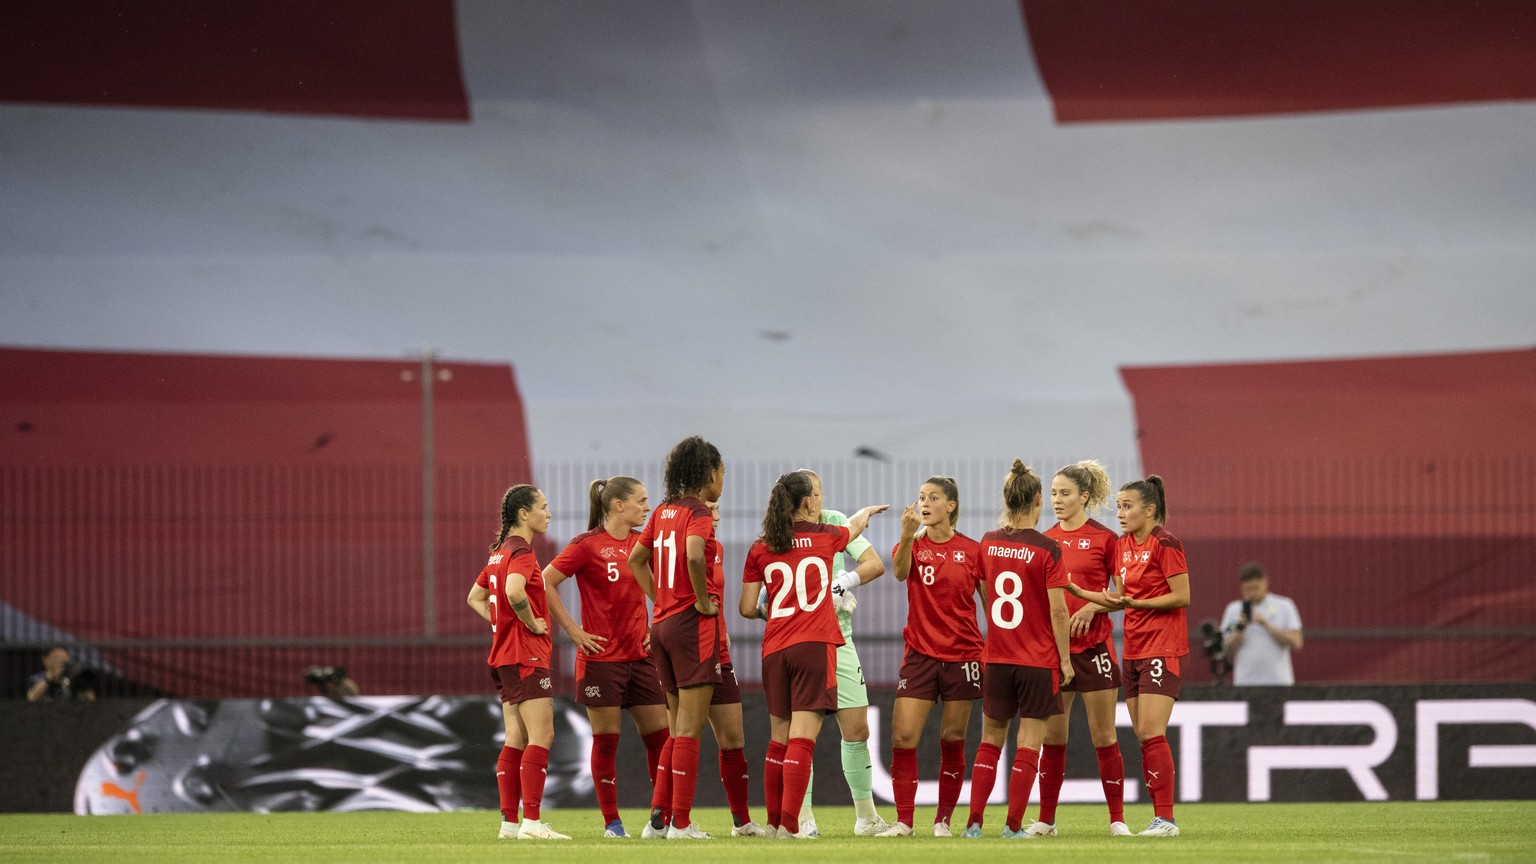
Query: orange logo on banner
{"points": [[112, 790]]}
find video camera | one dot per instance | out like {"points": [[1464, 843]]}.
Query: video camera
{"points": [[1215, 648], [321, 676]]}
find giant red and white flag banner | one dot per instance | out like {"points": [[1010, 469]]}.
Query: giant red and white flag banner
{"points": [[373, 58], [1105, 60]]}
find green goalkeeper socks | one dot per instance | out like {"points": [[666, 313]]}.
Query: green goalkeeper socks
{"points": [[857, 769]]}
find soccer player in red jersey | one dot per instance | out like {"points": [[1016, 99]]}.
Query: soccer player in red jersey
{"points": [[725, 718], [509, 593], [614, 668], [1154, 580], [1026, 654], [685, 628], [793, 560], [1088, 552], [943, 659]]}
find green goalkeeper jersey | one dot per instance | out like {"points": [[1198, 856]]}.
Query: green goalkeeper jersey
{"points": [[844, 561]]}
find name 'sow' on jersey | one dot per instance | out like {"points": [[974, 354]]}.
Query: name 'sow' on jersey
{"points": [[799, 586], [667, 533]]}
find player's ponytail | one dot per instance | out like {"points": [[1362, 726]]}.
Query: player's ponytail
{"points": [[518, 498], [1092, 479], [601, 495], [1152, 492], [783, 501], [1021, 494]]}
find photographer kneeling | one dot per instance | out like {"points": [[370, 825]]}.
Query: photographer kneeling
{"points": [[60, 680], [331, 681], [1260, 631]]}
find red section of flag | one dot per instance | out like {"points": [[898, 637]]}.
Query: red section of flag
{"points": [[255, 503], [1381, 494], [1165, 59], [371, 58]]}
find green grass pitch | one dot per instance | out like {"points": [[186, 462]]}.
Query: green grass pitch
{"points": [[1400, 832]]}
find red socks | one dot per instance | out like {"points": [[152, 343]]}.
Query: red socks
{"points": [[508, 781], [951, 778], [773, 783], [1157, 768], [661, 791], [685, 778], [983, 778], [797, 776], [1112, 775], [653, 744], [1053, 771], [605, 751], [534, 769], [904, 782], [734, 776], [1020, 783]]}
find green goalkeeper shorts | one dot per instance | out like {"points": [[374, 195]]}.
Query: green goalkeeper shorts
{"points": [[851, 692]]}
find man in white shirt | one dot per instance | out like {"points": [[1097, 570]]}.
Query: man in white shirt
{"points": [[1260, 631]]}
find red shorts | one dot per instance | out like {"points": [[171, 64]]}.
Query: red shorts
{"points": [[923, 677], [1020, 691], [1094, 669], [621, 684], [516, 684], [1156, 675], [728, 691], [802, 677], [687, 649]]}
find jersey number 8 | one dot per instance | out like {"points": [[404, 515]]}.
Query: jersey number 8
{"points": [[1007, 609]]}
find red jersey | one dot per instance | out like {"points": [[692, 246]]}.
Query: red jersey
{"points": [[612, 604], [1144, 572], [941, 598], [511, 642], [1019, 566], [1089, 556], [667, 534], [714, 556], [799, 586]]}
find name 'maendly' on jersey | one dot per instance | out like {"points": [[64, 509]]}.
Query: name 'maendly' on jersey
{"points": [[799, 586], [1020, 566], [667, 533], [1088, 553], [942, 581], [612, 604], [1144, 572]]}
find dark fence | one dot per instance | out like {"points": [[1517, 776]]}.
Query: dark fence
{"points": [[232, 581]]}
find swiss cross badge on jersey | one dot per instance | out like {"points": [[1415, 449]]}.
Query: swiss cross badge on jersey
{"points": [[1084, 544], [959, 557]]}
